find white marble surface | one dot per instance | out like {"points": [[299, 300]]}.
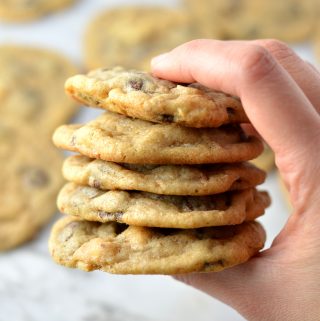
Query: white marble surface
{"points": [[33, 288]]}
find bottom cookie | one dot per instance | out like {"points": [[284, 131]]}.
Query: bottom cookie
{"points": [[122, 249]]}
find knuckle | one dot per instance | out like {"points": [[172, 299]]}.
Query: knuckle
{"points": [[257, 63], [279, 49]]}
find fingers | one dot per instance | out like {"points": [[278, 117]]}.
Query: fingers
{"points": [[273, 101], [303, 73]]}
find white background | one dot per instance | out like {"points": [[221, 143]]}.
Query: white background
{"points": [[33, 288]]}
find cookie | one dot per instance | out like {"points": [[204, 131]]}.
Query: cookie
{"points": [[207, 15], [132, 35], [165, 179], [140, 95], [30, 180], [266, 160], [32, 87], [118, 248], [153, 210], [26, 10], [290, 21], [116, 138]]}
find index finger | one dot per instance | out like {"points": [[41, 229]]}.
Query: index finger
{"points": [[274, 103]]}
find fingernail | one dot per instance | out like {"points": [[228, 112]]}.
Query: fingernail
{"points": [[158, 59]]}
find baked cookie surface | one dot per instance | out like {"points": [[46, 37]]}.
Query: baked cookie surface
{"points": [[116, 138], [25, 10], [117, 248], [147, 209], [31, 87], [140, 95], [133, 35], [165, 179], [291, 20], [30, 179]]}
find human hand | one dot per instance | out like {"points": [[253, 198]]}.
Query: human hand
{"points": [[281, 96]]}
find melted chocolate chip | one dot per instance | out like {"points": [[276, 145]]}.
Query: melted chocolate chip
{"points": [[115, 216], [73, 140], [230, 111], [96, 184], [167, 118], [211, 265], [34, 177], [135, 84]]}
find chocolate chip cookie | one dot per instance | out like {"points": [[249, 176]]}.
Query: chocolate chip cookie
{"points": [[132, 35], [140, 95], [25, 10], [30, 180], [147, 209], [122, 249], [32, 87], [162, 179], [291, 20], [116, 138]]}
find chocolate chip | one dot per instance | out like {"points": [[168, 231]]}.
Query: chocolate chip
{"points": [[34, 177], [230, 111], [73, 140], [96, 184], [114, 216], [135, 84], [211, 265], [167, 118]]}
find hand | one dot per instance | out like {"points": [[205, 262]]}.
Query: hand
{"points": [[281, 95]]}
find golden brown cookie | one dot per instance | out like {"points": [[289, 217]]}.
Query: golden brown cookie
{"points": [[140, 95], [266, 160], [162, 179], [30, 180], [153, 210], [116, 138], [132, 35], [290, 20], [32, 87], [118, 248], [26, 10]]}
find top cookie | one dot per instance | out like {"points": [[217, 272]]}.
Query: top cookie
{"points": [[140, 95], [31, 87], [132, 35], [22, 10]]}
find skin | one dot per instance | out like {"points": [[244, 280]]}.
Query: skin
{"points": [[280, 94]]}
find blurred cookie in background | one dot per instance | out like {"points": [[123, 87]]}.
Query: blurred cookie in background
{"points": [[30, 180], [208, 15], [131, 36], [290, 20], [266, 160], [26, 10], [32, 87]]}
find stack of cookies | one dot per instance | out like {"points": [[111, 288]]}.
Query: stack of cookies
{"points": [[161, 185]]}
